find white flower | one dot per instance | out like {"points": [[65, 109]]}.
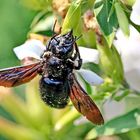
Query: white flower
{"points": [[35, 48], [89, 55], [135, 15], [129, 48], [31, 48]]}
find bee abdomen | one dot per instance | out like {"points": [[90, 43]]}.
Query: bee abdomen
{"points": [[54, 92]]}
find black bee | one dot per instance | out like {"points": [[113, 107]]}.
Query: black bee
{"points": [[58, 82]]}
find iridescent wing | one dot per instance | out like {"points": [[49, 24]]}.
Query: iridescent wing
{"points": [[84, 104], [15, 76]]}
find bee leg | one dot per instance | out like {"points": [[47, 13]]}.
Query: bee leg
{"points": [[76, 54], [77, 58], [77, 51], [77, 64], [75, 61], [54, 26], [48, 47]]}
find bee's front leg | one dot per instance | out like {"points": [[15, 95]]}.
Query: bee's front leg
{"points": [[76, 64], [76, 59]]}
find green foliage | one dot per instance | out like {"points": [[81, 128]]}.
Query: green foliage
{"points": [[15, 23], [28, 118], [72, 19], [124, 24], [43, 22], [121, 124], [106, 17], [110, 62], [36, 121]]}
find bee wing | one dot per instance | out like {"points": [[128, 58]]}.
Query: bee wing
{"points": [[84, 104], [91, 77], [15, 76]]}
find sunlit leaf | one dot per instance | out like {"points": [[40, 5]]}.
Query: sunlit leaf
{"points": [[106, 17], [73, 17], [66, 119], [111, 62], [122, 19], [121, 124], [43, 24]]}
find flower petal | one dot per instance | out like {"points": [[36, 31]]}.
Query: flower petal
{"points": [[135, 17], [89, 55], [31, 48], [135, 14], [129, 48], [91, 77]]}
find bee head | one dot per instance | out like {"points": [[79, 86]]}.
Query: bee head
{"points": [[62, 45]]}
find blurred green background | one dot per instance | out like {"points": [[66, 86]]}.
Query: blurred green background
{"points": [[34, 118], [14, 25]]}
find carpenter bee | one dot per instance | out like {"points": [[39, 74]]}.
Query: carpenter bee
{"points": [[58, 82]]}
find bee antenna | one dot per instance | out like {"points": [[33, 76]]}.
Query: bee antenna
{"points": [[54, 25], [76, 38], [56, 40], [53, 28]]}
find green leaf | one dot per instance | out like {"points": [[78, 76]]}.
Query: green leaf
{"points": [[129, 2], [89, 38], [118, 67], [123, 94], [111, 62], [73, 18], [122, 19], [121, 124], [106, 17], [132, 102], [45, 23], [110, 39], [67, 118]]}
